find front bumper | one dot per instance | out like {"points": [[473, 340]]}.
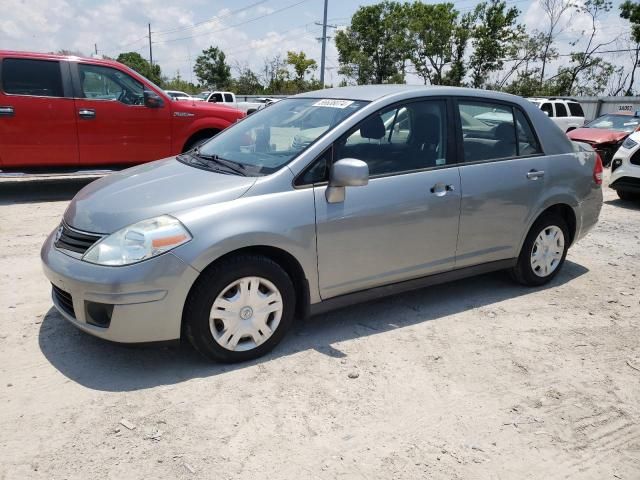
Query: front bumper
{"points": [[144, 301]]}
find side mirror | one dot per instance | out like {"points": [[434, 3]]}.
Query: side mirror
{"points": [[152, 99], [347, 172], [545, 112]]}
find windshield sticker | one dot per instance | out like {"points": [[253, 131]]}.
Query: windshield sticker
{"points": [[333, 103], [628, 124]]}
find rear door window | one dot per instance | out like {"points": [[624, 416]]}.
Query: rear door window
{"points": [[547, 108], [575, 109], [561, 110], [41, 78], [488, 131], [228, 98]]}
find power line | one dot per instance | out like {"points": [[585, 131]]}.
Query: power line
{"points": [[235, 25], [212, 19]]}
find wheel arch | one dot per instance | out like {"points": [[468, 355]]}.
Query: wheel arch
{"points": [[286, 260], [561, 208], [199, 135]]}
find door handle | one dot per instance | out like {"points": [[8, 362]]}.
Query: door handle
{"points": [[440, 189], [6, 111], [87, 113], [535, 174]]}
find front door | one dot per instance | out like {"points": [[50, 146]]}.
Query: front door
{"points": [[37, 118], [404, 223], [114, 125]]}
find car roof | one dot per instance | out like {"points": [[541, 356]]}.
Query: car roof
{"points": [[375, 92], [53, 56]]}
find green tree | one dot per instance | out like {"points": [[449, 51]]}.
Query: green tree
{"points": [[247, 82], [178, 83], [373, 49], [630, 10], [136, 62], [302, 65], [586, 73], [212, 69], [433, 37], [462, 33], [495, 36]]}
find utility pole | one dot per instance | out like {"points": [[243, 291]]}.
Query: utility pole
{"points": [[150, 51], [324, 42], [95, 45]]}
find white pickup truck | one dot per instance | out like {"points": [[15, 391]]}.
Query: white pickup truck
{"points": [[229, 98]]}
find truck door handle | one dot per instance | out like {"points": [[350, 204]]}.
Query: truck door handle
{"points": [[440, 189], [6, 111], [87, 113], [535, 174]]}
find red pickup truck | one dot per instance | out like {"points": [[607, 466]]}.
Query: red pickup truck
{"points": [[61, 111]]}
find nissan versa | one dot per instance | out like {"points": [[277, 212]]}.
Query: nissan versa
{"points": [[318, 201]]}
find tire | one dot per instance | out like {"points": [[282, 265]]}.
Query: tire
{"points": [[197, 141], [524, 272], [627, 196], [238, 309]]}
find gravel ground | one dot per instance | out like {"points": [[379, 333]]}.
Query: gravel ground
{"points": [[478, 379]]}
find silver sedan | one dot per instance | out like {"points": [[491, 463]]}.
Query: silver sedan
{"points": [[321, 200]]}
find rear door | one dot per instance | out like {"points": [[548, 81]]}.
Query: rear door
{"points": [[404, 223], [114, 125], [37, 118], [502, 177]]}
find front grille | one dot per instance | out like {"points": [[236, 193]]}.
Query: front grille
{"points": [[75, 241], [635, 158], [64, 300]]}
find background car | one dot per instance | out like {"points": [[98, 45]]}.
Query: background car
{"points": [[178, 95], [567, 113], [625, 169], [61, 111], [606, 133]]}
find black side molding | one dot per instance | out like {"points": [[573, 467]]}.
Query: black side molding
{"points": [[408, 285]]}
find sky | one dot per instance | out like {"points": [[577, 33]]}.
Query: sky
{"points": [[246, 30]]}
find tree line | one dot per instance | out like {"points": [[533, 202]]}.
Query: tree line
{"points": [[487, 47], [279, 75]]}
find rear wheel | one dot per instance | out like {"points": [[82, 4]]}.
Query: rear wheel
{"points": [[239, 309], [544, 251]]}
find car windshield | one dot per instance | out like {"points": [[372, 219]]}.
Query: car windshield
{"points": [[625, 123], [266, 140], [203, 95]]}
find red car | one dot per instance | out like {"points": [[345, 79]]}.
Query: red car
{"points": [[606, 133], [60, 111]]}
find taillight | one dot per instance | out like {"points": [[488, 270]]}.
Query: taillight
{"points": [[597, 170]]}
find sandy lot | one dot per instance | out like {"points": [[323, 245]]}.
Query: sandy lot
{"points": [[478, 379]]}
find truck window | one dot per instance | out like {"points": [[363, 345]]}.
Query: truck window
{"points": [[105, 83], [561, 110], [216, 97], [40, 78], [228, 98], [575, 109], [546, 107]]}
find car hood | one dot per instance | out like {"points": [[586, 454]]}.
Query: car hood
{"points": [[146, 191], [597, 135]]}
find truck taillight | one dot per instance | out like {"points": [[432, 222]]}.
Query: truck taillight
{"points": [[598, 170]]}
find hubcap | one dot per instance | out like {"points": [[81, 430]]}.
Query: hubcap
{"points": [[547, 251], [245, 314]]}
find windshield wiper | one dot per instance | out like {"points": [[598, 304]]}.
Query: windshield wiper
{"points": [[233, 166]]}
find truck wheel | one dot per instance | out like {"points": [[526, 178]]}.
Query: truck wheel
{"points": [[239, 309], [198, 140], [544, 251]]}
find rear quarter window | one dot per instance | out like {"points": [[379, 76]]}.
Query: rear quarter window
{"points": [[41, 78], [575, 109]]}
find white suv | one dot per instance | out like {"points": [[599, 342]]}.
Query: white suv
{"points": [[565, 112]]}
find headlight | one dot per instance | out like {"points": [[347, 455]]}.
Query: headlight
{"points": [[629, 143], [138, 242]]}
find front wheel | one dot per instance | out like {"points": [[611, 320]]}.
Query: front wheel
{"points": [[239, 309], [627, 196], [544, 251]]}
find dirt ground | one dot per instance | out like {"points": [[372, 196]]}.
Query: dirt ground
{"points": [[478, 379]]}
